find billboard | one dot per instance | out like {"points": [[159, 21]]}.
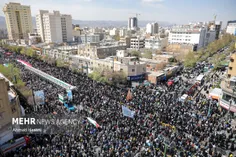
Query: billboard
{"points": [[127, 112], [39, 97]]}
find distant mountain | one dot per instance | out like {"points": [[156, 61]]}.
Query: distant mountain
{"points": [[114, 23], [103, 23]]}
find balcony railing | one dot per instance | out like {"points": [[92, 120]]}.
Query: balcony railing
{"points": [[225, 86]]}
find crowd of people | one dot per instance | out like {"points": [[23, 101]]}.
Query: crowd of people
{"points": [[162, 124]]}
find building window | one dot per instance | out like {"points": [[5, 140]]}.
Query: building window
{"points": [[121, 69], [231, 60], [230, 68], [229, 75], [133, 70]]}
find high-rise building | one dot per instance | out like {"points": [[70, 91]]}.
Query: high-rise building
{"points": [[215, 26], [54, 27], [39, 23], [152, 28], [66, 25], [198, 36], [133, 23], [18, 20], [149, 28], [231, 27]]}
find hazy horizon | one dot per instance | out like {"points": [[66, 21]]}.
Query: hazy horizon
{"points": [[179, 12]]}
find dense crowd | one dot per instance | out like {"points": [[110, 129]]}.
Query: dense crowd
{"points": [[162, 123]]}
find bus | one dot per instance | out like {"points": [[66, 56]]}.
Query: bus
{"points": [[200, 79]]}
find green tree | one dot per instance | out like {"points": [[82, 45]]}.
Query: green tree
{"points": [[147, 54], [136, 54], [18, 49], [172, 59], [232, 47], [60, 63], [190, 60], [116, 37], [23, 51], [30, 52]]}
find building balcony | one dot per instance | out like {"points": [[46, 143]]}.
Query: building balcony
{"points": [[225, 86], [229, 96], [226, 105]]}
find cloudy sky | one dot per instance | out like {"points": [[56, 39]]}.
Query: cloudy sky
{"points": [[174, 11]]}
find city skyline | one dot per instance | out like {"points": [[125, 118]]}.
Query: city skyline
{"points": [[180, 12]]}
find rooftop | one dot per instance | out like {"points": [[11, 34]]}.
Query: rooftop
{"points": [[2, 76], [155, 73], [225, 86], [150, 60]]}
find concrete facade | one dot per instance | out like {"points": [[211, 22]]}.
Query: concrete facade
{"points": [[231, 27], [9, 108], [100, 52], [192, 35], [137, 43], [152, 28], [130, 68], [54, 27], [18, 20], [232, 66]]}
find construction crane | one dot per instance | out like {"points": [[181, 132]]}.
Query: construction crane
{"points": [[215, 17], [137, 14]]}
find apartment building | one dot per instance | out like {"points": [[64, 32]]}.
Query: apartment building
{"points": [[156, 43], [125, 41], [54, 27], [133, 69], [228, 98], [231, 27], [137, 43], [198, 36], [9, 108], [18, 20], [114, 31], [87, 38], [152, 28], [99, 51], [232, 66]]}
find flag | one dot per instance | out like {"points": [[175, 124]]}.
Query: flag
{"points": [[93, 122], [24, 62], [129, 95], [127, 112]]}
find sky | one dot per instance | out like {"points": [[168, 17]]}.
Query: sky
{"points": [[173, 11]]}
